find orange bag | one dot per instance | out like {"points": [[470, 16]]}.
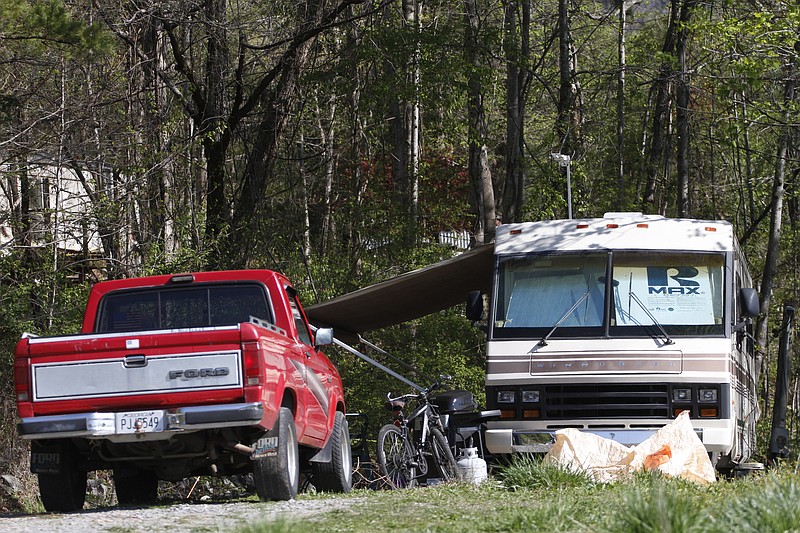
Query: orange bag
{"points": [[658, 458]]}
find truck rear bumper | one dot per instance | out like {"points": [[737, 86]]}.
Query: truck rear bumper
{"points": [[104, 425]]}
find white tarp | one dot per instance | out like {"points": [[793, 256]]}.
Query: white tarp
{"points": [[674, 450]]}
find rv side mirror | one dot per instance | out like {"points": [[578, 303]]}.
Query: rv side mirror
{"points": [[748, 302], [474, 306], [323, 337]]}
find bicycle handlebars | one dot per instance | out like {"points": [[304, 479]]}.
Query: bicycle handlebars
{"points": [[422, 394]]}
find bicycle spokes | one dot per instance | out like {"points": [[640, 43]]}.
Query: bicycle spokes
{"points": [[396, 458]]}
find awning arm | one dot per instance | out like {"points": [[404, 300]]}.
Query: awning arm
{"points": [[373, 362]]}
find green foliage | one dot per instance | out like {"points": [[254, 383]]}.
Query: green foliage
{"points": [[50, 23], [441, 344], [36, 298]]}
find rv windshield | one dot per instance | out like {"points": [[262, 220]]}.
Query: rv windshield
{"points": [[565, 295]]}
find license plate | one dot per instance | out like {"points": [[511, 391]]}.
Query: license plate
{"points": [[140, 422]]}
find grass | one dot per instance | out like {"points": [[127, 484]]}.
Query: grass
{"points": [[529, 496]]}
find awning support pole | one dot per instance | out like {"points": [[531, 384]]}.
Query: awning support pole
{"points": [[373, 362]]}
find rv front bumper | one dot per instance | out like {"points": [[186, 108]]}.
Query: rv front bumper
{"points": [[156, 424], [506, 441]]}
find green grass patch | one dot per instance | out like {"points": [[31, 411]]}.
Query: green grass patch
{"points": [[529, 496], [529, 472]]}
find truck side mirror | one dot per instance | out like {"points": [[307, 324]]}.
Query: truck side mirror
{"points": [[323, 337], [748, 302], [474, 310]]}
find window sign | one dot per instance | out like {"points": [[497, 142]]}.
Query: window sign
{"points": [[671, 294]]}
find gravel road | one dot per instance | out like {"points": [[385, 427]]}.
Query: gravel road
{"points": [[175, 518]]}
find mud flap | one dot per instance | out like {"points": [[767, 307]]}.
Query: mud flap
{"points": [[46, 459], [265, 447], [325, 454]]}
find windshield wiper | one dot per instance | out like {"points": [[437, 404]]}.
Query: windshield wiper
{"points": [[543, 342], [653, 318]]}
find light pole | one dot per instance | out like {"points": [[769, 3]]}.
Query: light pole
{"points": [[564, 160]]}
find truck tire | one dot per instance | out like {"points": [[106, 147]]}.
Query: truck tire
{"points": [[277, 477], [337, 474], [135, 487], [65, 491]]}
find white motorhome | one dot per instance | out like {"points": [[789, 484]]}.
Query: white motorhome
{"points": [[614, 326]]}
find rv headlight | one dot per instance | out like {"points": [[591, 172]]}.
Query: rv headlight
{"points": [[707, 395], [506, 396], [681, 395], [530, 396]]}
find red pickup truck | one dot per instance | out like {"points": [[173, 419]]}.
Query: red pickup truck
{"points": [[211, 373]]}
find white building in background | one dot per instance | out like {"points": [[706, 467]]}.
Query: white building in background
{"points": [[458, 239], [61, 209]]}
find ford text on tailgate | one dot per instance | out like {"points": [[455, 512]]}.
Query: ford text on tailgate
{"points": [[212, 373]]}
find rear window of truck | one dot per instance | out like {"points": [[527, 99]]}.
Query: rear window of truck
{"points": [[185, 307]]}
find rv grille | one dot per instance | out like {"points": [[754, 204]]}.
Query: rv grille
{"points": [[605, 401]]}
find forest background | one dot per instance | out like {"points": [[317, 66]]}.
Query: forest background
{"points": [[343, 142]]}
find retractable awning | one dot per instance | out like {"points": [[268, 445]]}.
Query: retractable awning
{"points": [[408, 296]]}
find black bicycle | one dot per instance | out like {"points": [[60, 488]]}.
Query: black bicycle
{"points": [[414, 448]]}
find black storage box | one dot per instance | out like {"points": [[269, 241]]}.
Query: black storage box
{"points": [[454, 401]]}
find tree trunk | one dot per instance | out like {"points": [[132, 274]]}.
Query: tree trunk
{"points": [[361, 157], [682, 112], [213, 129], [480, 175], [401, 116], [329, 165], [303, 192], [517, 53], [570, 113], [146, 99], [398, 113], [412, 14], [660, 114], [621, 65], [776, 204], [279, 104]]}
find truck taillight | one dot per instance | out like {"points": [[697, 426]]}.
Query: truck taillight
{"points": [[252, 364], [22, 379]]}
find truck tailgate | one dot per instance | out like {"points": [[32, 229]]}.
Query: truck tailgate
{"points": [[124, 376], [143, 363]]}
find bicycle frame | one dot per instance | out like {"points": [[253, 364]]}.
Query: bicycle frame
{"points": [[416, 443]]}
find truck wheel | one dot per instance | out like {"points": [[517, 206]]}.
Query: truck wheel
{"points": [[65, 491], [277, 477], [336, 475], [135, 487]]}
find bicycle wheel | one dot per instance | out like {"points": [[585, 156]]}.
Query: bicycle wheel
{"points": [[443, 458], [396, 458]]}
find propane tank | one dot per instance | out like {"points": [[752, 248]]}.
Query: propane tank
{"points": [[471, 468]]}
